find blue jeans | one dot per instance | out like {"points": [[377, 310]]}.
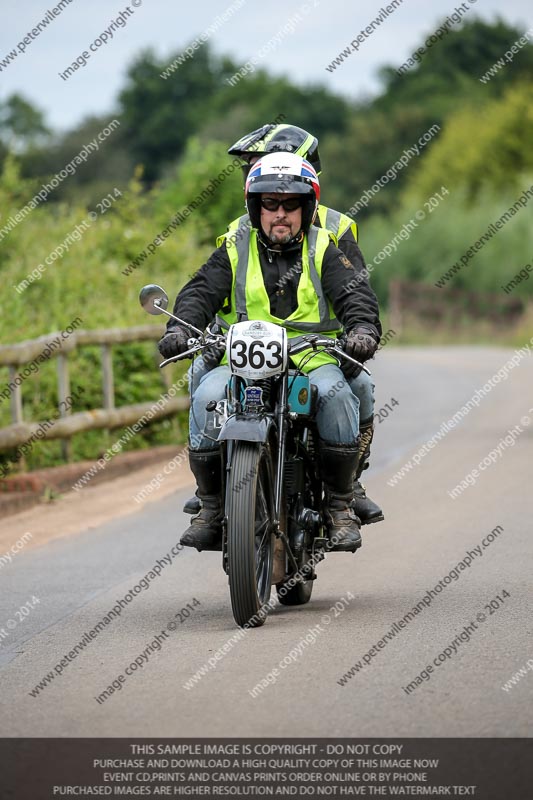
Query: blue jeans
{"points": [[196, 372], [341, 404], [363, 388]]}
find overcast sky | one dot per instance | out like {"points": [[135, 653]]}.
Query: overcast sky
{"points": [[322, 28]]}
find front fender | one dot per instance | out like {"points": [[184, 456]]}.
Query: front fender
{"points": [[246, 428]]}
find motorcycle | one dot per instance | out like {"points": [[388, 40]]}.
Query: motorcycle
{"points": [[272, 531]]}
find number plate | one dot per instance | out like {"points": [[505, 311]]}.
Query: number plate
{"points": [[257, 349]]}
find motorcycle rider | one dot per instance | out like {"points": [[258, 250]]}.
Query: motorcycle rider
{"points": [[284, 270], [272, 138]]}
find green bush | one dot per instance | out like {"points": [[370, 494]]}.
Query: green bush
{"points": [[88, 282], [446, 233]]}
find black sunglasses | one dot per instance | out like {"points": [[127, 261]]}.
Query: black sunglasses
{"points": [[291, 204]]}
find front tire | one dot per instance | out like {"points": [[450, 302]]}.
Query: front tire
{"points": [[250, 537]]}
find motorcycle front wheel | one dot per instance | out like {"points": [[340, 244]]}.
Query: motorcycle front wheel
{"points": [[250, 536]]}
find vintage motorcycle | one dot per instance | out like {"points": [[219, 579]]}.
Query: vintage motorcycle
{"points": [[273, 530]]}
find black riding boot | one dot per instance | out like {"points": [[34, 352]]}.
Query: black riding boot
{"points": [[192, 505], [337, 467], [364, 507], [205, 530]]}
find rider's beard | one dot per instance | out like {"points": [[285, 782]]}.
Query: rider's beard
{"points": [[276, 239], [280, 238]]}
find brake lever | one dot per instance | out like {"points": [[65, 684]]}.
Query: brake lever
{"points": [[180, 356], [193, 349]]}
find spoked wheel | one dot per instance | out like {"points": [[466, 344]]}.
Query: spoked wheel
{"points": [[250, 533]]}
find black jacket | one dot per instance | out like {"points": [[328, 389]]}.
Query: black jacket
{"points": [[349, 292]]}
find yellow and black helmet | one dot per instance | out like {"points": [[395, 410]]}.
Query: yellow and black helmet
{"points": [[276, 139]]}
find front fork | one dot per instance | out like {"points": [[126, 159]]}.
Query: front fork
{"points": [[283, 410]]}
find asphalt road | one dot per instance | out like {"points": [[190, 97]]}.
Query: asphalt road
{"points": [[79, 578]]}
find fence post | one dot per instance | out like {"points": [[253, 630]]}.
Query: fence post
{"points": [[107, 377], [16, 408], [16, 397], [63, 392], [395, 306]]}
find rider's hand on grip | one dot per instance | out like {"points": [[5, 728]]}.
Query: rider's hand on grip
{"points": [[174, 342], [360, 344]]}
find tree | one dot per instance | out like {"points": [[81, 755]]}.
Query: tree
{"points": [[22, 125], [446, 80], [205, 167], [372, 144], [159, 115], [482, 148], [111, 165], [449, 72], [260, 98]]}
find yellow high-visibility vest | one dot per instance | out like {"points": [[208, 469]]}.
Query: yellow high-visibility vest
{"points": [[336, 222], [249, 297]]}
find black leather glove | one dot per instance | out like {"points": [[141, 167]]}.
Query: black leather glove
{"points": [[360, 344], [174, 342]]}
